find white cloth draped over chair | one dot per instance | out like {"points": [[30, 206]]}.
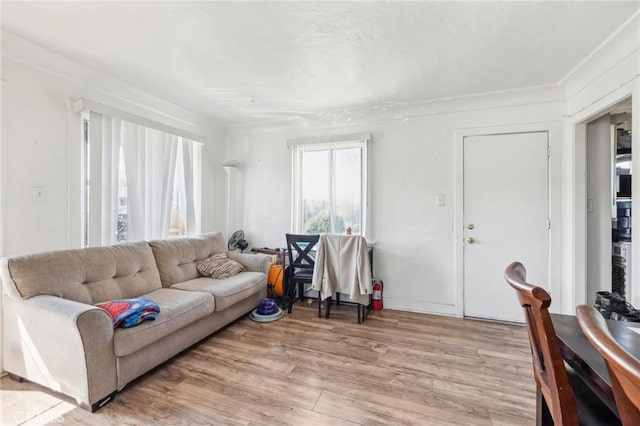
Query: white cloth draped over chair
{"points": [[342, 266]]}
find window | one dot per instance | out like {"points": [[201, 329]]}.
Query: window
{"points": [[330, 191], [141, 183]]}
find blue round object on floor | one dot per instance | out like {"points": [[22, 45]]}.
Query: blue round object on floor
{"points": [[268, 311], [255, 316], [268, 306]]}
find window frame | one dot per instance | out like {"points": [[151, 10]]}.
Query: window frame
{"points": [[300, 146]]}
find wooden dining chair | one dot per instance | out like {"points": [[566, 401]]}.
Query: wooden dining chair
{"points": [[557, 387], [300, 249], [624, 368]]}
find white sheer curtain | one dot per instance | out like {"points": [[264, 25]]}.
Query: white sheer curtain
{"points": [[133, 149], [133, 175], [150, 161], [163, 167], [111, 128], [190, 157]]}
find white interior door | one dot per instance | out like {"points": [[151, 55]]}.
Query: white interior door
{"points": [[506, 213]]}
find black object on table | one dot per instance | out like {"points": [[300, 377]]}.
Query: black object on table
{"points": [[583, 358]]}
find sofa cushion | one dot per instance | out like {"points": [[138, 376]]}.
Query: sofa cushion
{"points": [[219, 266], [177, 309], [176, 258], [229, 291], [90, 275]]}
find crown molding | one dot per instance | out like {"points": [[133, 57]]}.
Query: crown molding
{"points": [[104, 88]]}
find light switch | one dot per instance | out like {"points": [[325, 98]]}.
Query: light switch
{"points": [[38, 194], [439, 200], [589, 205]]}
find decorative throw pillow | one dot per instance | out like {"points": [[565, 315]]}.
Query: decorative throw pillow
{"points": [[219, 266]]}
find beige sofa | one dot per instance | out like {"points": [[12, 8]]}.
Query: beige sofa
{"points": [[55, 336]]}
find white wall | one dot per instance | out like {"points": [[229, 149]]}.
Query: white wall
{"points": [[413, 160], [599, 197], [213, 179], [42, 139], [36, 155]]}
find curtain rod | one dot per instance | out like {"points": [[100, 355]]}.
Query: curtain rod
{"points": [[86, 105]]}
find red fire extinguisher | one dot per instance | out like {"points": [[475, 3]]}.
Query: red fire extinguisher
{"points": [[377, 296]]}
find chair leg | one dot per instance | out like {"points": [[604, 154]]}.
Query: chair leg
{"points": [[337, 299], [327, 310], [290, 298], [319, 306], [301, 291]]}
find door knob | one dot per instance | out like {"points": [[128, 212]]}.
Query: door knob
{"points": [[470, 226], [470, 240]]}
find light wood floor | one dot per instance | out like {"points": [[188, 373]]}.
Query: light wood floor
{"points": [[396, 368]]}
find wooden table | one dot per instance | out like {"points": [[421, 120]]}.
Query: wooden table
{"points": [[585, 360]]}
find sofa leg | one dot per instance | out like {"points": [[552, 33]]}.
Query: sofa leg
{"points": [[98, 404], [15, 378]]}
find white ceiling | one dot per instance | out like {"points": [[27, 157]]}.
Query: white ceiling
{"points": [[242, 61]]}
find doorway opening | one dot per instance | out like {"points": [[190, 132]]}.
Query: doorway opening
{"points": [[609, 223]]}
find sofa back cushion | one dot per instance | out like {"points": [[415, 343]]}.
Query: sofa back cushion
{"points": [[177, 257], [90, 275]]}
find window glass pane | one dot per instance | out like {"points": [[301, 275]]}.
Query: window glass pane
{"points": [[315, 191], [347, 167]]}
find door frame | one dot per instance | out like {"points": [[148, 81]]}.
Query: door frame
{"points": [[577, 228], [553, 130]]}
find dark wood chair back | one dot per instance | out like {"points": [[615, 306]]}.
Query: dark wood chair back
{"points": [[299, 250], [301, 263], [548, 366], [624, 368]]}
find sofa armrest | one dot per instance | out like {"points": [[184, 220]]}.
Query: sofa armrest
{"points": [[61, 344], [252, 262]]}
